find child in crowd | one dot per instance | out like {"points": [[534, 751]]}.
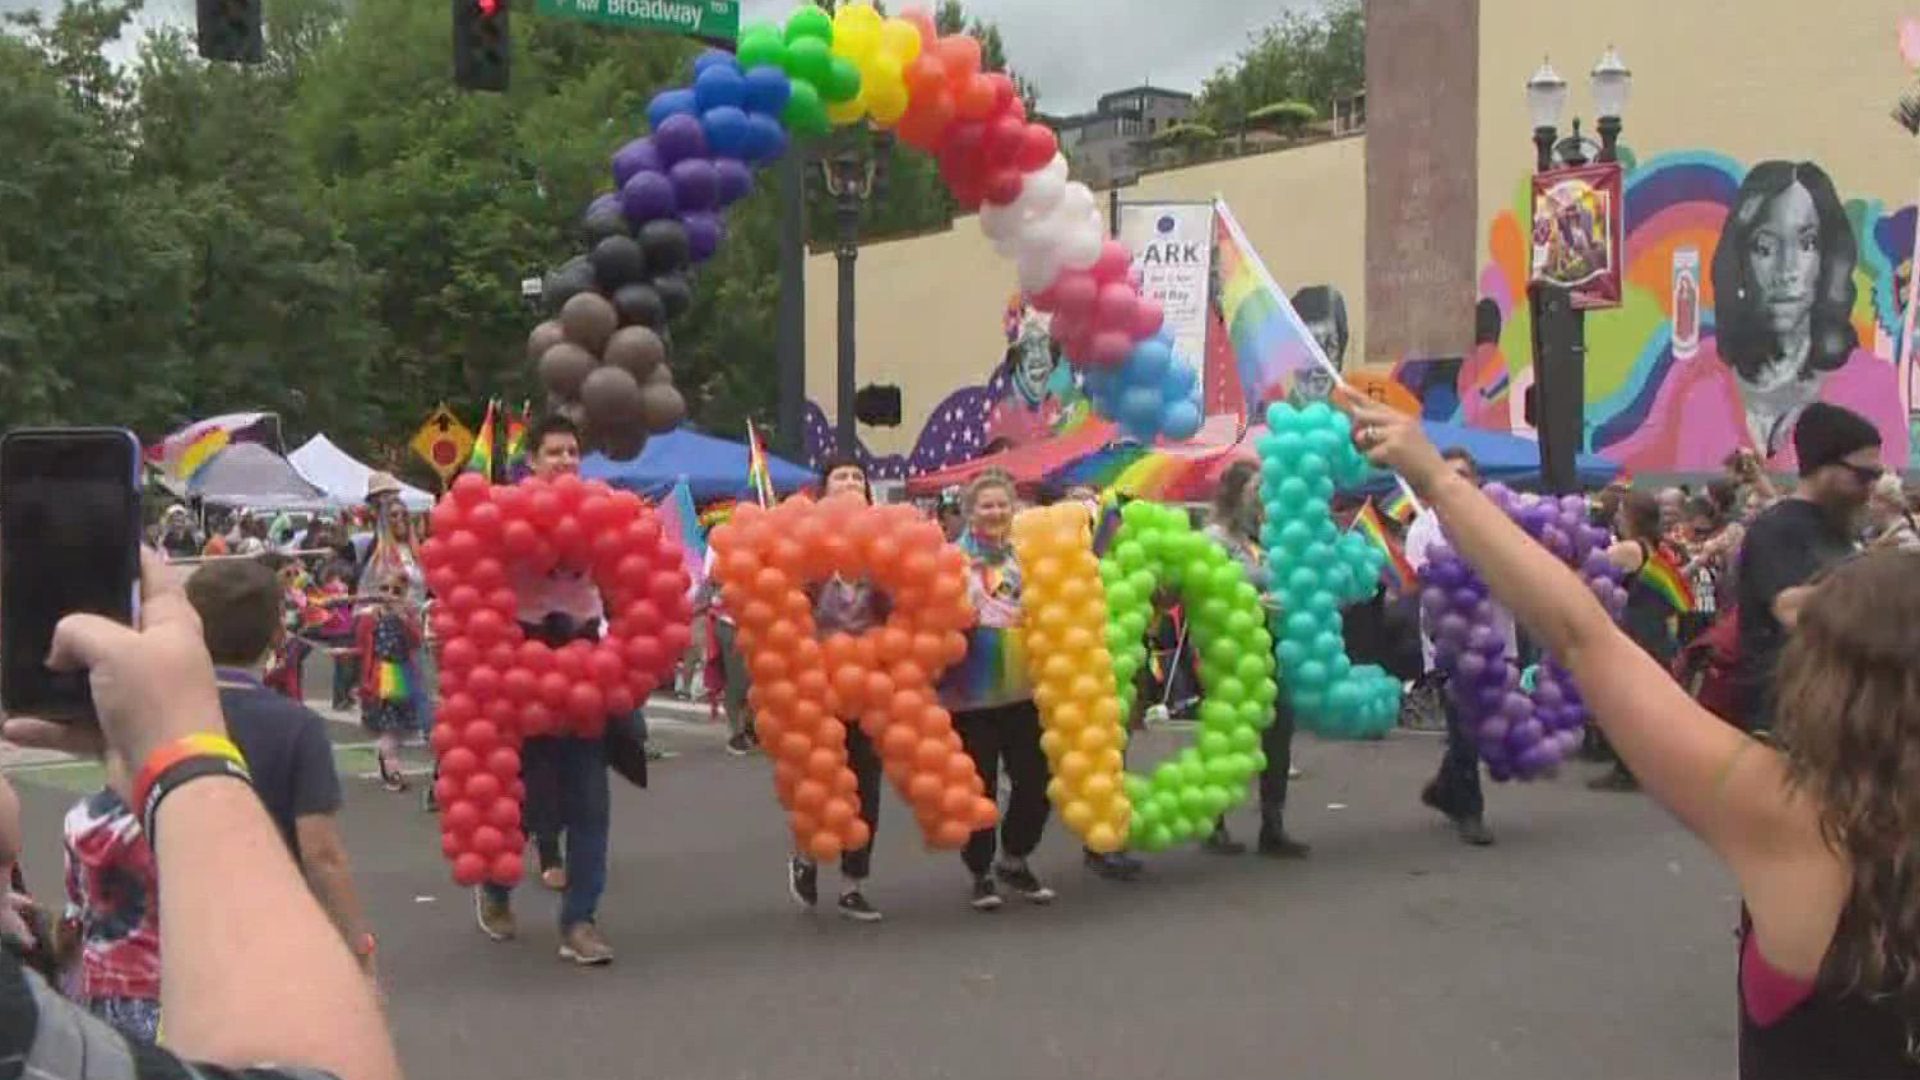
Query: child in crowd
{"points": [[388, 641], [109, 936], [335, 599]]}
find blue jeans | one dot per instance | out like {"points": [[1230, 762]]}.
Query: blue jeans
{"points": [[580, 768]]}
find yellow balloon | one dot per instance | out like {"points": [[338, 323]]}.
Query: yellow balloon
{"points": [[1104, 839], [847, 112], [1069, 716], [900, 39], [1053, 744], [856, 31], [1093, 738], [1057, 792], [1110, 760], [1098, 787], [1078, 816], [1073, 766]]}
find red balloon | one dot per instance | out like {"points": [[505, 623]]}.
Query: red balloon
{"points": [[481, 787], [586, 703], [1148, 317], [543, 510], [1077, 292], [480, 736], [1114, 310], [459, 654], [488, 840], [486, 626], [503, 601], [503, 814], [535, 719], [553, 689], [519, 684], [925, 76], [445, 790], [570, 489], [645, 534], [433, 553], [512, 501], [569, 538], [443, 737], [1003, 139], [460, 816], [535, 656], [634, 571], [667, 586], [442, 580], [1005, 94], [501, 712], [621, 701], [608, 667], [452, 844], [571, 661], [469, 869], [501, 655], [485, 521], [463, 599], [927, 119], [483, 683], [675, 637], [1038, 145], [458, 709], [506, 867], [1109, 348], [644, 652], [471, 489], [462, 549], [446, 517], [960, 55], [1113, 264], [519, 538], [607, 548], [504, 762], [597, 513], [1002, 187]]}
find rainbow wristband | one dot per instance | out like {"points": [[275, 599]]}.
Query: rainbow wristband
{"points": [[167, 768]]}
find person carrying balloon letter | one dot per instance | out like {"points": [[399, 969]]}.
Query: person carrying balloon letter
{"points": [[1236, 518], [992, 701], [1455, 790], [565, 775], [852, 607]]}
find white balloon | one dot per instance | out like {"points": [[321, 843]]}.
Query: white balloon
{"points": [[1040, 192], [1038, 271], [1077, 200], [1081, 244], [999, 222]]}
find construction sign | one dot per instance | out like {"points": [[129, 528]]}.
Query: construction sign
{"points": [[443, 442]]}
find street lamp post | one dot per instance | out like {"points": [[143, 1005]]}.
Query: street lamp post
{"points": [[1559, 329], [854, 171]]}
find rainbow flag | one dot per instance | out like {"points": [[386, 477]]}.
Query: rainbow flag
{"points": [[1271, 344], [1371, 526], [394, 685], [759, 473], [717, 513], [1400, 507], [678, 520], [518, 463], [187, 451], [481, 460], [1664, 576]]}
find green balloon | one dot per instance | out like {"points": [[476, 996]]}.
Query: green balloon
{"points": [[762, 46], [805, 114], [1215, 743], [810, 21], [809, 60], [843, 81]]}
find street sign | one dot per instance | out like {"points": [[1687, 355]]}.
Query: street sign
{"points": [[530, 288], [709, 20]]}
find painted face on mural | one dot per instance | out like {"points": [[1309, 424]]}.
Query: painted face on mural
{"points": [[1783, 261], [1033, 365]]}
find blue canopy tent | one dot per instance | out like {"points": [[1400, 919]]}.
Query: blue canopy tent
{"points": [[713, 468], [1503, 458]]}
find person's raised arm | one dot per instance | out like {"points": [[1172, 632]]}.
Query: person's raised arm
{"points": [[1720, 783], [251, 970]]}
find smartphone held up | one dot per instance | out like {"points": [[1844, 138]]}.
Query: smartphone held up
{"points": [[69, 543]]}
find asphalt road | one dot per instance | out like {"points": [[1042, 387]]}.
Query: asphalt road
{"points": [[1593, 941]]}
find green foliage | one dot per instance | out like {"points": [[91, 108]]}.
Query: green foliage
{"points": [[1304, 57], [339, 234], [1287, 117]]}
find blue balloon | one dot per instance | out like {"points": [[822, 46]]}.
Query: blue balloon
{"points": [[1140, 408], [1181, 380], [1098, 382], [766, 139], [717, 86], [713, 58], [767, 90], [726, 128], [669, 103], [1149, 363], [1180, 420]]}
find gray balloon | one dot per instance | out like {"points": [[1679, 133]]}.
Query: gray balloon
{"points": [[589, 320], [564, 367], [566, 281], [637, 350], [544, 337], [622, 445], [612, 398], [662, 407]]}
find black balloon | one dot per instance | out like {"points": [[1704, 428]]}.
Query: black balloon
{"points": [[665, 242], [616, 261], [567, 281], [604, 221], [564, 367], [640, 305], [675, 293]]}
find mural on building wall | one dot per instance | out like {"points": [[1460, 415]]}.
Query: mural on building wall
{"points": [[1749, 294], [1029, 395]]}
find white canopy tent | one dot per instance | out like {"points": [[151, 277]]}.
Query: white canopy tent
{"points": [[335, 471]]}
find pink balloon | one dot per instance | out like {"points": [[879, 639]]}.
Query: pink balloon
{"points": [[1113, 263], [1137, 279], [1110, 348], [1148, 317], [1044, 300], [1067, 326], [1075, 293], [1114, 310]]}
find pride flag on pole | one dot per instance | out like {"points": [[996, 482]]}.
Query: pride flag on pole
{"points": [[679, 520], [1272, 346], [1370, 525], [481, 460], [518, 463], [759, 473]]}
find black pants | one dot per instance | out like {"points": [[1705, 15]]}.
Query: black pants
{"points": [[865, 763], [540, 770], [1277, 743], [1009, 733], [1456, 789]]}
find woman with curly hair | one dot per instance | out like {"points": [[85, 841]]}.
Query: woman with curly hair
{"points": [[1822, 832]]}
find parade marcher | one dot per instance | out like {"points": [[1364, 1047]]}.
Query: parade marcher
{"points": [[1455, 791], [841, 606], [992, 707], [1821, 832], [387, 642], [1649, 617], [1796, 538], [1236, 516], [565, 775], [178, 538]]}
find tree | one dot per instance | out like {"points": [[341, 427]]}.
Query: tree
{"points": [[1311, 57]]}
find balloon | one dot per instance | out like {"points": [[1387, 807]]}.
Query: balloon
{"points": [[766, 140], [636, 350], [588, 320], [712, 58], [612, 397], [810, 61], [760, 47], [718, 85], [809, 21], [639, 305], [617, 260], [725, 127], [735, 180], [544, 336], [1181, 421], [605, 221], [636, 156], [900, 40], [674, 293], [704, 233], [678, 138], [668, 104], [766, 88], [960, 55], [695, 184], [805, 113], [666, 247], [568, 280], [1037, 148], [648, 196], [842, 82]]}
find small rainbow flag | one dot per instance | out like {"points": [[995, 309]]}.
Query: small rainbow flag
{"points": [[394, 684], [1370, 524], [1271, 345], [759, 473], [1400, 507], [518, 465], [717, 513], [481, 460], [1664, 576]]}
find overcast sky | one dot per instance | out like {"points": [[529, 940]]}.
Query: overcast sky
{"points": [[1075, 50]]}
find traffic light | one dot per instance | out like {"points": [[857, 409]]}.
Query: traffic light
{"points": [[230, 30], [877, 406], [480, 44]]}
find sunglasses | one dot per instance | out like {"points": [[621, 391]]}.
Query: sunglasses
{"points": [[1866, 474]]}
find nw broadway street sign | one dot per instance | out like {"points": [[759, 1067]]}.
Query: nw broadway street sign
{"points": [[708, 20]]}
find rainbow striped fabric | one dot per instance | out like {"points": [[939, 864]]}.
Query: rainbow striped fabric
{"points": [[678, 520], [1271, 345], [1400, 506], [759, 473], [518, 463], [1370, 525], [1661, 574], [481, 460], [395, 684]]}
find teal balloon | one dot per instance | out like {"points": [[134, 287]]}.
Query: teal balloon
{"points": [[1311, 675]]}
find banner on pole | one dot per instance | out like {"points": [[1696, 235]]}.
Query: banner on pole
{"points": [[1578, 233], [1172, 248]]}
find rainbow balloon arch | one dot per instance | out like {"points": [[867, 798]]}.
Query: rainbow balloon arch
{"points": [[603, 357]]}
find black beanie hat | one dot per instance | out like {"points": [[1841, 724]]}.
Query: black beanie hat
{"points": [[1826, 433]]}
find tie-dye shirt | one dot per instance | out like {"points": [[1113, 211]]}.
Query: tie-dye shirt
{"points": [[113, 893]]}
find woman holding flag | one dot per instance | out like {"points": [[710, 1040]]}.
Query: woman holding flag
{"points": [[1657, 595]]}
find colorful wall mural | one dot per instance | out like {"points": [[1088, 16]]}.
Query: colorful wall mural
{"points": [[1749, 294]]}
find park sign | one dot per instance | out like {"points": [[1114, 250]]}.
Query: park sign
{"points": [[716, 21]]}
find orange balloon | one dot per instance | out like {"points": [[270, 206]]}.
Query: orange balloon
{"points": [[795, 747], [961, 769], [845, 783], [953, 835], [768, 666], [985, 813], [837, 812], [883, 556], [769, 728], [894, 642], [822, 763], [899, 742], [803, 823], [957, 803], [850, 683], [755, 614], [824, 846], [856, 835], [770, 584], [778, 695], [908, 702], [918, 567], [931, 755], [810, 795], [975, 98], [806, 716], [908, 673], [782, 635], [879, 686], [928, 651], [812, 684], [925, 789], [935, 721], [783, 771]]}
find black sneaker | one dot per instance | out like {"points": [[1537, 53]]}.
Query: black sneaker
{"points": [[803, 881], [740, 745], [853, 905], [1020, 878], [1114, 866], [1221, 842], [1278, 845], [985, 896]]}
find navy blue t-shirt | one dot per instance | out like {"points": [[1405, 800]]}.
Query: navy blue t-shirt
{"points": [[285, 744]]}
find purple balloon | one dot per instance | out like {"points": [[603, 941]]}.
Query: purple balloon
{"points": [[736, 180], [704, 233], [1525, 733], [648, 196], [678, 138], [695, 186], [601, 204], [1433, 602], [637, 156], [1470, 665], [1518, 707]]}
